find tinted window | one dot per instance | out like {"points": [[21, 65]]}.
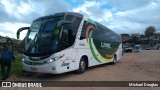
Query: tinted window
{"points": [[75, 23], [69, 32], [83, 33], [105, 34], [49, 26], [65, 37]]}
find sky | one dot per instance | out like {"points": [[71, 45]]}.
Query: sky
{"points": [[122, 16]]}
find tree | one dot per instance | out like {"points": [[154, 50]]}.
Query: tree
{"points": [[150, 31], [125, 38], [135, 40]]}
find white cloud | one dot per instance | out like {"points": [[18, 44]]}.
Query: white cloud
{"points": [[127, 4], [25, 8], [93, 10], [8, 6], [138, 19], [10, 29], [125, 16], [28, 10], [17, 13], [83, 8]]}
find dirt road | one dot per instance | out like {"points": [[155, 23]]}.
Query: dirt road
{"points": [[143, 66]]}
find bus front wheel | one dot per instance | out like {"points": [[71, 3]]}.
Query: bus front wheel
{"points": [[82, 66]]}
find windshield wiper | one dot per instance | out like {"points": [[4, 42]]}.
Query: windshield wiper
{"points": [[33, 43]]}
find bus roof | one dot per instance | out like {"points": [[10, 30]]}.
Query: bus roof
{"points": [[59, 15]]}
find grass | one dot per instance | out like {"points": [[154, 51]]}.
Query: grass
{"points": [[16, 68]]}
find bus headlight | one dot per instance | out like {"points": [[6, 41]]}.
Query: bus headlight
{"points": [[50, 61], [53, 59], [56, 58], [23, 59]]}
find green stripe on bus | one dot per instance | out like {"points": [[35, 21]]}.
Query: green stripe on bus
{"points": [[91, 48]]}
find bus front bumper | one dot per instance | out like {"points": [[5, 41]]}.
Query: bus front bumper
{"points": [[46, 68]]}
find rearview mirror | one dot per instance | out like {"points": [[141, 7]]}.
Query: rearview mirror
{"points": [[21, 29], [62, 22]]}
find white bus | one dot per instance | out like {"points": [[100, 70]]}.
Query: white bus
{"points": [[66, 42]]}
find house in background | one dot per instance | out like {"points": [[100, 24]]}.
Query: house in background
{"points": [[153, 41], [136, 35]]}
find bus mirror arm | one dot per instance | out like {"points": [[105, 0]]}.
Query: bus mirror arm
{"points": [[21, 29], [62, 22]]}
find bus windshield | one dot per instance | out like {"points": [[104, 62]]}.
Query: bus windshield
{"points": [[41, 37]]}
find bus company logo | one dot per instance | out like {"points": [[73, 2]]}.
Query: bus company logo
{"points": [[6, 84], [105, 45], [81, 44], [65, 64]]}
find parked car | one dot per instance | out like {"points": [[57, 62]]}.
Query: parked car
{"points": [[158, 46], [127, 49], [137, 48], [148, 47]]}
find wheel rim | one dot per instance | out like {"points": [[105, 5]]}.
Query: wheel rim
{"points": [[82, 65]]}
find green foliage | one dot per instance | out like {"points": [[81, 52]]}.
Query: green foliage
{"points": [[135, 40], [150, 31], [17, 66]]}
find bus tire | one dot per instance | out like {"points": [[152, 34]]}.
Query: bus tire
{"points": [[82, 66], [114, 60]]}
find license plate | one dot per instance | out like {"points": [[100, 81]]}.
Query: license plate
{"points": [[34, 69]]}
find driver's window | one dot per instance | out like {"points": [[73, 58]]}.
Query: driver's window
{"points": [[64, 37]]}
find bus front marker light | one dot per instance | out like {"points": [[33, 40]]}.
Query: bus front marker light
{"points": [[56, 58]]}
